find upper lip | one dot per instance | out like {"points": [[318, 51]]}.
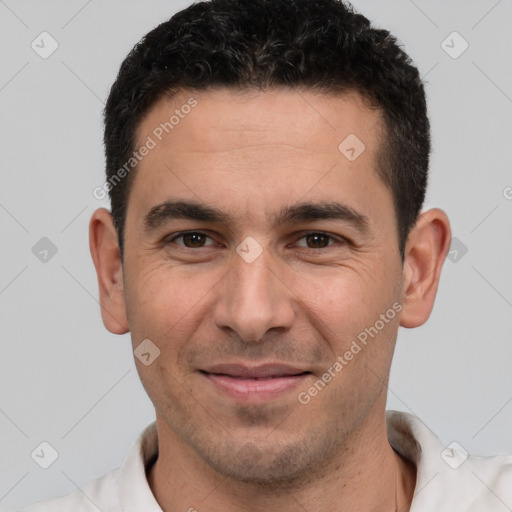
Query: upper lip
{"points": [[264, 370]]}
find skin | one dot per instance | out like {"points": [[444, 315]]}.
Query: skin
{"points": [[301, 302]]}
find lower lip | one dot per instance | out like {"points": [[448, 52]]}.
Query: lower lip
{"points": [[255, 390]]}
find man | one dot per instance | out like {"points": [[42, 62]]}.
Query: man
{"points": [[267, 162]]}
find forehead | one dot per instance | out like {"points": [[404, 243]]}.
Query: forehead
{"points": [[240, 149], [324, 120]]}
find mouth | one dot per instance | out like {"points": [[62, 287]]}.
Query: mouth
{"points": [[255, 384]]}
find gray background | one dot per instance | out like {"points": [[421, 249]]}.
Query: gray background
{"points": [[65, 380]]}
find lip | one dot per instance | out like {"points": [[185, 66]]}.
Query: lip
{"points": [[252, 372], [255, 384]]}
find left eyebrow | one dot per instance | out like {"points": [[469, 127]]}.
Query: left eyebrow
{"points": [[324, 210], [294, 214]]}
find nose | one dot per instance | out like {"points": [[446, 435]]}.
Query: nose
{"points": [[253, 298]]}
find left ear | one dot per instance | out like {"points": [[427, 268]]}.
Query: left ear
{"points": [[425, 252]]}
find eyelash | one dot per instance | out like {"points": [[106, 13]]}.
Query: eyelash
{"points": [[174, 237]]}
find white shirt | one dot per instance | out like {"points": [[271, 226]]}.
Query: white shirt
{"points": [[447, 480]]}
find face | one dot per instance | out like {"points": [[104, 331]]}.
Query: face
{"points": [[290, 257]]}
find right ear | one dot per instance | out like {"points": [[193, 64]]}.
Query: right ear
{"points": [[104, 247]]}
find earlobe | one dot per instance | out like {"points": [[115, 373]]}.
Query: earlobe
{"points": [[426, 250], [106, 256]]}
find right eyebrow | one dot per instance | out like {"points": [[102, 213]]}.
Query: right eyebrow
{"points": [[191, 210]]}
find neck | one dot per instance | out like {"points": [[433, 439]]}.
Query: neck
{"points": [[365, 474]]}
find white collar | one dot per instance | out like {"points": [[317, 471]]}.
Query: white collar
{"points": [[478, 482]]}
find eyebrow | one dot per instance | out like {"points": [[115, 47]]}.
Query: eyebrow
{"points": [[294, 214]]}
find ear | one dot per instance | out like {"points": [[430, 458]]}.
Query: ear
{"points": [[106, 255], [425, 252]]}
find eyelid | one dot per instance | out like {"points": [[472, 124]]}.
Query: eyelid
{"points": [[338, 238], [303, 234], [171, 238]]}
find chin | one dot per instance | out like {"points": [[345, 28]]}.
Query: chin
{"points": [[267, 467]]}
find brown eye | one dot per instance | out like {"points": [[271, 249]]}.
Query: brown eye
{"points": [[191, 239], [318, 240]]}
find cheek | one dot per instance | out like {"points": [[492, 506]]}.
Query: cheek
{"points": [[156, 300], [346, 295], [167, 304], [165, 311], [352, 306]]}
